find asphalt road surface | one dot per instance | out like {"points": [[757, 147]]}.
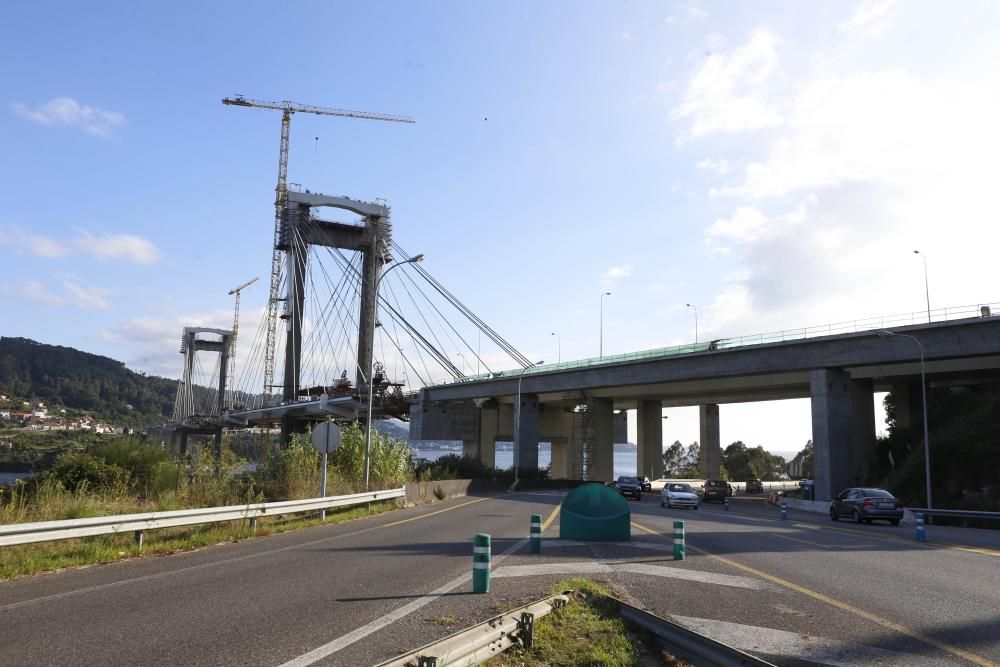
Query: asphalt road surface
{"points": [[803, 591]]}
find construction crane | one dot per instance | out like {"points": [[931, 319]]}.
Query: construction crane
{"points": [[287, 109], [236, 328]]}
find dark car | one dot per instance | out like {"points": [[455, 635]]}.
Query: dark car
{"points": [[629, 487], [716, 489], [645, 484], [754, 486], [866, 505]]}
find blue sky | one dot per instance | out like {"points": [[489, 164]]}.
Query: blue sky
{"points": [[775, 163]]}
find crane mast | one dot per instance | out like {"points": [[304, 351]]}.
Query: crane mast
{"points": [[287, 108], [236, 329]]}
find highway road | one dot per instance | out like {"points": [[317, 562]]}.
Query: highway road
{"points": [[797, 592]]}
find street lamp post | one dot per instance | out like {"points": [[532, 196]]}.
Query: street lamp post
{"points": [[602, 321], [517, 421], [927, 291], [923, 391], [691, 305], [558, 347], [371, 365]]}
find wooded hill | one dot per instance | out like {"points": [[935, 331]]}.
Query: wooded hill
{"points": [[68, 378]]}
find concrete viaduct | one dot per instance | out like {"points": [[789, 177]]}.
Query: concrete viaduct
{"points": [[577, 408]]}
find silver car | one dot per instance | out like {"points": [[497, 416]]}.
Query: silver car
{"points": [[679, 495]]}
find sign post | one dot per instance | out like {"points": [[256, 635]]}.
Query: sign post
{"points": [[325, 438]]}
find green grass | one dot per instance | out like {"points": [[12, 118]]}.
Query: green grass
{"points": [[584, 633], [30, 559]]}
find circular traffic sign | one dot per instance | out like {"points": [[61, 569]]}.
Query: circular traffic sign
{"points": [[326, 437]]}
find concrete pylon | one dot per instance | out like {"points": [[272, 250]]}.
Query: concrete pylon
{"points": [[526, 432], [489, 428], [833, 431], [862, 428], [604, 448], [649, 434], [710, 453]]}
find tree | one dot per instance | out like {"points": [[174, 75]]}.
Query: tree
{"points": [[674, 459]]}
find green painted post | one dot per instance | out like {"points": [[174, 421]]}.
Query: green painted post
{"points": [[678, 540], [481, 563], [536, 533]]}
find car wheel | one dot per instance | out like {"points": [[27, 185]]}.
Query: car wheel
{"points": [[868, 521], [856, 516], [894, 522], [696, 507], [833, 515], [662, 504]]}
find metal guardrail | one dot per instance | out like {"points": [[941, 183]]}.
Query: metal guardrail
{"points": [[697, 648], [948, 313], [44, 531], [482, 641]]}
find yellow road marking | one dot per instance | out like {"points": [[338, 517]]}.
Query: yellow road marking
{"points": [[424, 516], [984, 551], [914, 634], [552, 517]]}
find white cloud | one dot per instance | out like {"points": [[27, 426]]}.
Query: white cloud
{"points": [[695, 13], [118, 246], [618, 272], [69, 112], [744, 225], [721, 167], [74, 295], [87, 297], [107, 247], [871, 16], [727, 92]]}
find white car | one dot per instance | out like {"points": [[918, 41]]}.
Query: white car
{"points": [[679, 495]]}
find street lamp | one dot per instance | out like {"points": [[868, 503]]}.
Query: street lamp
{"points": [[923, 390], [602, 321], [371, 361], [558, 348], [927, 292], [517, 419], [691, 305]]}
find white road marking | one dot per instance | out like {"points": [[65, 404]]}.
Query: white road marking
{"points": [[591, 567], [638, 544], [795, 539], [360, 633], [769, 641]]}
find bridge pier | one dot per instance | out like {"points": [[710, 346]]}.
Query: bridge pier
{"points": [[526, 422], [603, 461], [649, 434], [843, 424], [710, 452]]}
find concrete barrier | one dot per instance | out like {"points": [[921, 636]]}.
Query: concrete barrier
{"points": [[421, 493]]}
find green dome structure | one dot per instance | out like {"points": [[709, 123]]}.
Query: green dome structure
{"points": [[595, 512]]}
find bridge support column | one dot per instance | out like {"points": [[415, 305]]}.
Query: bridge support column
{"points": [[603, 464], [710, 454], [649, 432], [833, 431], [863, 428], [909, 411], [489, 428], [526, 432]]}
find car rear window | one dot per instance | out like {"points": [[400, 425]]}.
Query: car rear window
{"points": [[877, 493], [628, 480], [716, 484]]}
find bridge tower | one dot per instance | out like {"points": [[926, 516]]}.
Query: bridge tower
{"points": [[189, 416], [299, 230]]}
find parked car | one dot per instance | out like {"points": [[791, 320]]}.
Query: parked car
{"points": [[629, 487], [716, 489], [754, 486], [866, 505], [646, 484], [679, 495]]}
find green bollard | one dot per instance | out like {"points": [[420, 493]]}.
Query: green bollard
{"points": [[536, 533], [678, 540], [481, 563]]}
